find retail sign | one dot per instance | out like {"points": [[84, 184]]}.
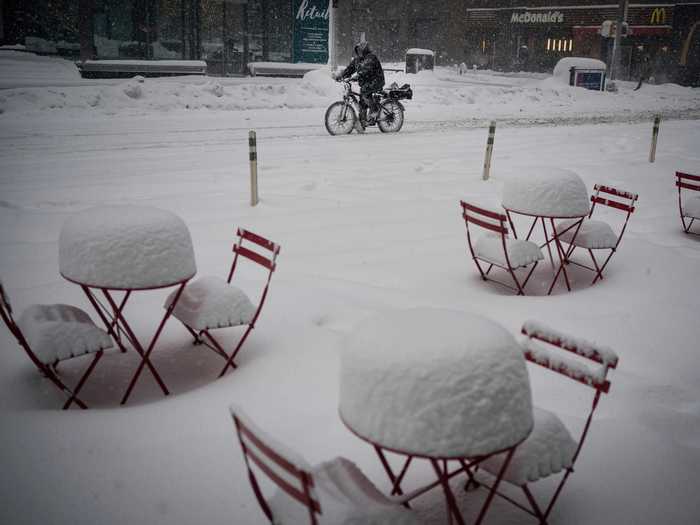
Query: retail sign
{"points": [[658, 16], [310, 31], [540, 17]]}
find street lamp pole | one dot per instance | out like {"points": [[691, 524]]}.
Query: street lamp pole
{"points": [[616, 54]]}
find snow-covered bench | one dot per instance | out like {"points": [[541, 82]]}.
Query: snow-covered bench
{"points": [[146, 68], [688, 204], [282, 69]]}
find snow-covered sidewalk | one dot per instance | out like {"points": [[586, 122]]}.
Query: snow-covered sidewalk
{"points": [[367, 224]]}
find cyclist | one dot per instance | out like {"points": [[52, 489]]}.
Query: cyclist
{"points": [[370, 76]]}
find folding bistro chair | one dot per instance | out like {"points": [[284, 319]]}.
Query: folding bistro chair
{"points": [[334, 493], [51, 334], [596, 234], [209, 302], [689, 206], [496, 248], [550, 449]]}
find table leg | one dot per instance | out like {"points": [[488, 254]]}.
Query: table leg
{"points": [[562, 255], [452, 508], [494, 487], [145, 355], [395, 480]]}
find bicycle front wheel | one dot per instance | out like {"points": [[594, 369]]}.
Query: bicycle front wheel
{"points": [[340, 118], [390, 117]]}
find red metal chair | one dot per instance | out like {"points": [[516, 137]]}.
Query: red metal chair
{"points": [[335, 492], [597, 234], [209, 302], [496, 248], [51, 334], [550, 449], [689, 206]]}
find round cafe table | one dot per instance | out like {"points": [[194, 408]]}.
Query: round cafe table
{"points": [[438, 385], [123, 250], [547, 195]]}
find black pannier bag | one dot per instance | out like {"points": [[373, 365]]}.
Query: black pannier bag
{"points": [[400, 93]]}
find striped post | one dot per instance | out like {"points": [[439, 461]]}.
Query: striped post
{"points": [[253, 153], [654, 138], [489, 150]]}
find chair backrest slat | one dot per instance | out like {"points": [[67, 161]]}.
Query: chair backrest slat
{"points": [[484, 218], [272, 462], [257, 239], [489, 226], [627, 196], [585, 349], [581, 347], [681, 175], [265, 261], [687, 186], [612, 204]]}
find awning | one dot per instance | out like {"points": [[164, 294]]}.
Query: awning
{"points": [[636, 30]]}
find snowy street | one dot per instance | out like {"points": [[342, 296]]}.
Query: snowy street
{"points": [[367, 223]]}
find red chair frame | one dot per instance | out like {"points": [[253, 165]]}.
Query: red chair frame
{"points": [[267, 461], [601, 385], [614, 198], [495, 222], [49, 371], [268, 262], [688, 182]]}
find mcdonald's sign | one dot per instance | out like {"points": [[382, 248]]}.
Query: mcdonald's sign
{"points": [[658, 16]]}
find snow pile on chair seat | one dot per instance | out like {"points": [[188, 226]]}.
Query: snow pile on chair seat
{"points": [[435, 382], [547, 450], [56, 332], [691, 207], [593, 234], [520, 253], [583, 347], [546, 191], [210, 302], [126, 247], [346, 497]]}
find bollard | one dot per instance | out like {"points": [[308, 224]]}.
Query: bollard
{"points": [[489, 150], [654, 137], [252, 146]]}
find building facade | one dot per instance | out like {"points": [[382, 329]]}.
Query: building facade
{"points": [[499, 34]]}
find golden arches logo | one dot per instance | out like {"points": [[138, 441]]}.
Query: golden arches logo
{"points": [[658, 16]]}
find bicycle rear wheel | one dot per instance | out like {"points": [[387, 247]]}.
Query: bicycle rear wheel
{"points": [[340, 120], [390, 117]]}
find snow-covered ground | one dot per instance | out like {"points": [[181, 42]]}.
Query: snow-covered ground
{"points": [[367, 224]]}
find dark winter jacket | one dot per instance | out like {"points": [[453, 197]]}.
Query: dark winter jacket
{"points": [[370, 74]]}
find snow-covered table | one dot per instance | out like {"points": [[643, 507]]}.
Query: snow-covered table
{"points": [[435, 384], [547, 194], [126, 249]]}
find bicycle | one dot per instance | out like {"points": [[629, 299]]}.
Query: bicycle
{"points": [[342, 116]]}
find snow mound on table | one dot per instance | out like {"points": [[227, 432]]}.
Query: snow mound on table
{"points": [[435, 382], [126, 247], [546, 191]]}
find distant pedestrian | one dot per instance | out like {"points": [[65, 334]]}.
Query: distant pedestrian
{"points": [[645, 70]]}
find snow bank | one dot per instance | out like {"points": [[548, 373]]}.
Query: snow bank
{"points": [[561, 69], [435, 382], [126, 247]]}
